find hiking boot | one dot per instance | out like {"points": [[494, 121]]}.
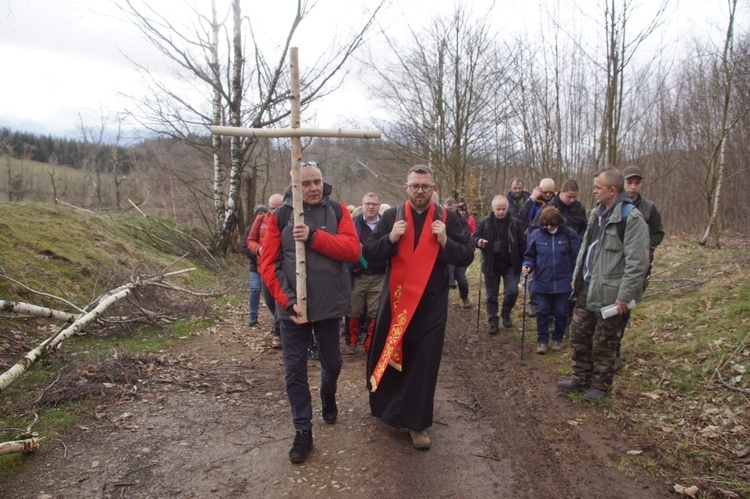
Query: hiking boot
{"points": [[253, 320], [571, 385], [594, 395], [507, 322], [541, 348], [303, 443], [330, 411], [556, 346], [276, 342], [494, 329], [466, 303], [312, 354], [420, 439], [619, 363]]}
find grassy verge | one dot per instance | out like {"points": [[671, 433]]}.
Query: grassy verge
{"points": [[77, 256], [684, 391]]}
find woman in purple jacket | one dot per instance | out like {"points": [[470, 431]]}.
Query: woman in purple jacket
{"points": [[551, 253]]}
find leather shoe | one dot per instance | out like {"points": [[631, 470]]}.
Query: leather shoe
{"points": [[303, 442], [420, 439], [330, 411], [493, 329], [507, 322], [571, 385], [594, 395]]}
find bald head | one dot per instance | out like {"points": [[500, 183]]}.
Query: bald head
{"points": [[275, 201]]}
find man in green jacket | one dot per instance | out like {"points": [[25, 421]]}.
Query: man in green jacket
{"points": [[610, 270]]}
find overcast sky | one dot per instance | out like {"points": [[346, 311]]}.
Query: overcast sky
{"points": [[62, 58]]}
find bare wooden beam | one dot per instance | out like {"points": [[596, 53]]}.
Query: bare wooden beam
{"points": [[343, 133]]}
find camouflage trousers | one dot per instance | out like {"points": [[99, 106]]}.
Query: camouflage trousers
{"points": [[594, 341]]}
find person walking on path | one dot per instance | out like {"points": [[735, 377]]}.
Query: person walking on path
{"points": [[457, 275], [503, 245], [418, 240], [516, 197], [551, 254], [610, 269], [367, 277], [255, 280], [330, 241]]}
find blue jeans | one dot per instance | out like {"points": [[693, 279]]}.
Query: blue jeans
{"points": [[296, 339], [463, 284], [255, 284], [556, 304], [510, 290]]}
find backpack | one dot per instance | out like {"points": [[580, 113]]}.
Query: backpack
{"points": [[283, 212], [626, 209], [439, 214], [248, 253]]}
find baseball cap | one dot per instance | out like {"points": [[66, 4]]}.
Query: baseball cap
{"points": [[632, 171]]}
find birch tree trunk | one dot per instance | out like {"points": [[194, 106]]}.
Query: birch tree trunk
{"points": [[228, 219], [36, 311], [217, 141], [716, 169], [28, 360], [28, 445], [299, 214]]}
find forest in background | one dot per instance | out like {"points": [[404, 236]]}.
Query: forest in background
{"points": [[477, 106]]}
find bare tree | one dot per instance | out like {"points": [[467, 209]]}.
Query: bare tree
{"points": [[716, 165], [245, 88], [620, 49], [439, 90]]}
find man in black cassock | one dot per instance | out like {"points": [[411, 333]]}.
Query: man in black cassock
{"points": [[404, 358]]}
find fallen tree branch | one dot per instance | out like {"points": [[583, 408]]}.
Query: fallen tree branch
{"points": [[40, 293], [18, 307], [717, 372], [28, 445], [695, 283], [727, 385], [104, 302], [57, 200]]}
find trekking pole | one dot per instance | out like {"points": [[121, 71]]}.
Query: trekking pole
{"points": [[523, 316], [479, 299]]}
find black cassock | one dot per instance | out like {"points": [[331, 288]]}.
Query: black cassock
{"points": [[405, 399]]}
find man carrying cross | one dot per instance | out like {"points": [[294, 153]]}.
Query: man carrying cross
{"points": [[418, 239], [330, 240]]}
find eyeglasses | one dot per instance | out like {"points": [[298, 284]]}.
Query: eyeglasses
{"points": [[309, 163], [372, 204], [420, 187], [551, 226]]}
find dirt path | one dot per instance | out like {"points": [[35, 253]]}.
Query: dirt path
{"points": [[211, 419]]}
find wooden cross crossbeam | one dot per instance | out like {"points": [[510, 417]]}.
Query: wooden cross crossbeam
{"points": [[295, 133]]}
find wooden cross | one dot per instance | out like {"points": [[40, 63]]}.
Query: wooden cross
{"points": [[296, 133]]}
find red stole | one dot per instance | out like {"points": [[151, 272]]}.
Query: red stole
{"points": [[410, 270]]}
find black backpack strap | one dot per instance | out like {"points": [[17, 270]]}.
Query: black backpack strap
{"points": [[400, 212], [283, 212]]}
